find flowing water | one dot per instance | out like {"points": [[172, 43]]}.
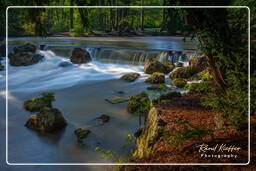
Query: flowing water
{"points": [[80, 91]]}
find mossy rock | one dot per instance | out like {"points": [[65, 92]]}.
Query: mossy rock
{"points": [[139, 104], [103, 119], [183, 72], [158, 87], [81, 134], [156, 78], [165, 97], [179, 82], [130, 77], [36, 104], [153, 65], [47, 120]]}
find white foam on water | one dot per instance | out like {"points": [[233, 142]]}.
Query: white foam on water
{"points": [[48, 75]]}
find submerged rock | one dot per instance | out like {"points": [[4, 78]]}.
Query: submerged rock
{"points": [[38, 103], [65, 64], [25, 48], [158, 87], [156, 78], [103, 119], [139, 104], [130, 77], [24, 58], [153, 65], [116, 99], [81, 134], [179, 82], [47, 120], [80, 56]]}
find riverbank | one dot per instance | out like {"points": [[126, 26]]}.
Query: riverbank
{"points": [[187, 121]]}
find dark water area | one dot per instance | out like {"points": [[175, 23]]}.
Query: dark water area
{"points": [[80, 93]]}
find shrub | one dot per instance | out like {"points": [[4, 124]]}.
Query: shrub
{"points": [[139, 104]]}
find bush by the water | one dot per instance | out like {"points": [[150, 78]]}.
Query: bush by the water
{"points": [[37, 103], [201, 88], [139, 104]]}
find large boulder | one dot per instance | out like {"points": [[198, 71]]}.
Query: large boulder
{"points": [[130, 77], [156, 78], [24, 58], [152, 66], [139, 104], [25, 48], [80, 56], [183, 72], [47, 120]]}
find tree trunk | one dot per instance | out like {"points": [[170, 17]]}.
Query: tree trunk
{"points": [[71, 18], [142, 16]]}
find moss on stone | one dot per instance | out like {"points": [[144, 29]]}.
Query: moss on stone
{"points": [[139, 104], [153, 65], [183, 72], [156, 78], [130, 77], [179, 82], [38, 103]]}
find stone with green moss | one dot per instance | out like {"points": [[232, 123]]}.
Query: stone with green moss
{"points": [[159, 87], [153, 65], [81, 134], [47, 120], [103, 119], [179, 64], [183, 72], [130, 77], [156, 78], [139, 104], [179, 83], [37, 103]]}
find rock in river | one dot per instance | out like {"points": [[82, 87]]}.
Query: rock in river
{"points": [[116, 99], [156, 78], [103, 119], [25, 48], [81, 133], [153, 65], [130, 77], [47, 120], [24, 58], [80, 56]]}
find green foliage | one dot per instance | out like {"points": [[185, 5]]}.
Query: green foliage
{"points": [[232, 104], [200, 88], [48, 96], [188, 132]]}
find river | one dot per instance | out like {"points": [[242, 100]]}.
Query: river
{"points": [[80, 93]]}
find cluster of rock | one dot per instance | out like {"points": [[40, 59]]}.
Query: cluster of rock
{"points": [[24, 55], [47, 119]]}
